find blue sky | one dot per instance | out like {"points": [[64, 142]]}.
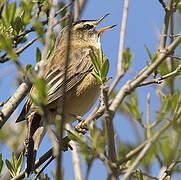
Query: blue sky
{"points": [[145, 20]]}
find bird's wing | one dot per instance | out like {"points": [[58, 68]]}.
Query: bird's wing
{"points": [[79, 65]]}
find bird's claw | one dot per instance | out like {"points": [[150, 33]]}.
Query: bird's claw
{"points": [[81, 127]]}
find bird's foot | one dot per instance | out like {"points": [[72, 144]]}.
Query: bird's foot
{"points": [[81, 127]]}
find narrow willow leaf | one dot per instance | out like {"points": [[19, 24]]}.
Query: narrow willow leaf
{"points": [[12, 11], [38, 55], [28, 68], [14, 161], [19, 163], [105, 68], [94, 61], [139, 175], [98, 78], [10, 167], [1, 164], [149, 54]]}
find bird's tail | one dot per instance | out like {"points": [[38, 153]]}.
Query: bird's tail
{"points": [[36, 132]]}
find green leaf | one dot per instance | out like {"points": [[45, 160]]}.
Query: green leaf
{"points": [[63, 13], [101, 65], [6, 45], [26, 11], [105, 68], [38, 55], [97, 77], [127, 56], [94, 61], [38, 26], [12, 11], [139, 175], [14, 161], [10, 167], [148, 51], [28, 68], [19, 163], [39, 95], [18, 25], [1, 164]]}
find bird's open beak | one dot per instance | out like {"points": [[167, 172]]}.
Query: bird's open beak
{"points": [[103, 17], [103, 29], [106, 28]]}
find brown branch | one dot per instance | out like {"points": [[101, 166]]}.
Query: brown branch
{"points": [[109, 129], [120, 68], [79, 6], [75, 157], [61, 124], [163, 4], [146, 148], [131, 85], [45, 157], [176, 72], [168, 9], [14, 101]]}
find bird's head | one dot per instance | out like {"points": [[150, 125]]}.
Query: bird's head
{"points": [[84, 33]]}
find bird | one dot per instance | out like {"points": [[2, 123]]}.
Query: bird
{"points": [[82, 88]]}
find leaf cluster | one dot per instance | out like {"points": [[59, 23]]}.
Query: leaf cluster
{"points": [[101, 65]]}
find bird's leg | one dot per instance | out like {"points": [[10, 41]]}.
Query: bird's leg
{"points": [[81, 127]]}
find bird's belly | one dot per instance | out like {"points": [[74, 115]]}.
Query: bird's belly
{"points": [[79, 99], [84, 96]]}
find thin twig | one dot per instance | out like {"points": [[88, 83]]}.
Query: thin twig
{"points": [[146, 148], [79, 6], [122, 37], [61, 124], [148, 116], [131, 154], [131, 85], [43, 168], [163, 4], [177, 71], [169, 169], [3, 60], [109, 129], [120, 68], [165, 24], [175, 57], [75, 157], [44, 158]]}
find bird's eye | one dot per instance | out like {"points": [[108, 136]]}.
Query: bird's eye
{"points": [[88, 27]]}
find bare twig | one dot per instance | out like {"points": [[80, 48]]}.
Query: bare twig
{"points": [[148, 116], [169, 169], [131, 85], [79, 6], [146, 148], [61, 124], [44, 158], [75, 158], [122, 37], [14, 101], [163, 4], [175, 57], [177, 71], [165, 24], [131, 154], [120, 68], [109, 129], [43, 168]]}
